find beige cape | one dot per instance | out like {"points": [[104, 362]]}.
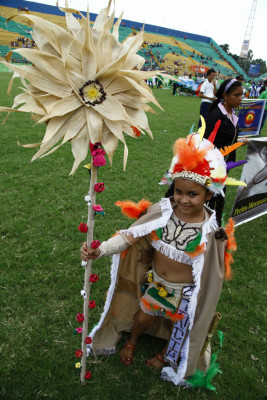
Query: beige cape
{"points": [[127, 277]]}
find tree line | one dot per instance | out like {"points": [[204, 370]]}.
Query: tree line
{"points": [[244, 63]]}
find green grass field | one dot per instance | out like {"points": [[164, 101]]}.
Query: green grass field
{"points": [[41, 275]]}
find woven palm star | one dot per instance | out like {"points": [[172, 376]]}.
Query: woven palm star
{"points": [[84, 84]]}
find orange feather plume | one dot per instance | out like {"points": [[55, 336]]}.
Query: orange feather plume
{"points": [[148, 306], [153, 236], [228, 260], [228, 149], [189, 156], [230, 230], [199, 250], [174, 317], [131, 209], [231, 246]]}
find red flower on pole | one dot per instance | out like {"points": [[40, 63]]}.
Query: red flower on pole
{"points": [[80, 317], [88, 340], [99, 187], [91, 304], [93, 278], [87, 375], [83, 227], [94, 146], [95, 244], [78, 353]]}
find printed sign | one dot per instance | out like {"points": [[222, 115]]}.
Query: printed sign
{"points": [[254, 69], [251, 201], [250, 116], [244, 49]]}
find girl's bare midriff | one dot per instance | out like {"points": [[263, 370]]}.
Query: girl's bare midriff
{"points": [[170, 270]]}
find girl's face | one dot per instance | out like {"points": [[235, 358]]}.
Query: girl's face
{"points": [[190, 197], [234, 98]]}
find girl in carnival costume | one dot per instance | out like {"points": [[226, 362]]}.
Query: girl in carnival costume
{"points": [[168, 267]]}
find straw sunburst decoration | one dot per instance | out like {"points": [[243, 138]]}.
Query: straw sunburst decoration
{"points": [[84, 84]]}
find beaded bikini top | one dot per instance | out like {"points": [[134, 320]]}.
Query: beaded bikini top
{"points": [[179, 234]]}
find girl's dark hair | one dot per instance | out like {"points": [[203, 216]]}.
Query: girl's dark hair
{"points": [[170, 191], [221, 91]]}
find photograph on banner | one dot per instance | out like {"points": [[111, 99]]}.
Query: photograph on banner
{"points": [[250, 115], [251, 201]]}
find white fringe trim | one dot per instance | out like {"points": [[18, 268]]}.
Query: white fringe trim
{"points": [[148, 227], [209, 226], [113, 274], [172, 252]]}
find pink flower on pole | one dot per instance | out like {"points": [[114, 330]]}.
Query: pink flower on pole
{"points": [[95, 244], [93, 278], [83, 227], [91, 304], [97, 208], [80, 317], [88, 340], [99, 187], [79, 330], [87, 375], [98, 158]]}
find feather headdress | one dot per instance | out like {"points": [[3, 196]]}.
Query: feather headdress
{"points": [[197, 159]]}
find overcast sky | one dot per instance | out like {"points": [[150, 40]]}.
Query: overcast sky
{"points": [[225, 21]]}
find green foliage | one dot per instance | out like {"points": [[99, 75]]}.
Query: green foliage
{"points": [[244, 63], [41, 276]]}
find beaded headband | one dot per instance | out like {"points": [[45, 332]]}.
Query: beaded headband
{"points": [[198, 160]]}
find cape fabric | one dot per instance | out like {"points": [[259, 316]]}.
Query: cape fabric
{"points": [[128, 275]]}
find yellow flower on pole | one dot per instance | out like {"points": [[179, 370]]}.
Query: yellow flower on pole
{"points": [[87, 166], [83, 83]]}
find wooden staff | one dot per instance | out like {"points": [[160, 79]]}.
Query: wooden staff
{"points": [[216, 319], [90, 233]]}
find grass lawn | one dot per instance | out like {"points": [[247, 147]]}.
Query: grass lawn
{"points": [[41, 276]]}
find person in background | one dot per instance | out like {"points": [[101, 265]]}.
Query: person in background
{"points": [[228, 97], [263, 96], [263, 88], [207, 93]]}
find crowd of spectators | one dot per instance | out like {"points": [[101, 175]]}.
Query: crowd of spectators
{"points": [[23, 9], [18, 60], [24, 41]]}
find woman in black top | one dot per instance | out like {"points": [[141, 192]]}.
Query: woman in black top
{"points": [[229, 96]]}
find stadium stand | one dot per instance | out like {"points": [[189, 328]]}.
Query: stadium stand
{"points": [[163, 48], [261, 78]]}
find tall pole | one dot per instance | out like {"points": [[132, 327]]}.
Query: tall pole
{"points": [[88, 268], [248, 32]]}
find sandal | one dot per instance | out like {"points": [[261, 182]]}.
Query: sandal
{"points": [[129, 347], [157, 361]]}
